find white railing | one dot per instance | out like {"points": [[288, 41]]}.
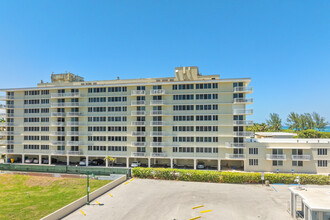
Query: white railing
{"points": [[235, 145], [242, 100], [7, 142], [58, 123], [242, 122], [138, 113], [138, 92], [138, 154], [73, 114], [65, 104], [276, 156], [243, 111], [74, 143], [138, 102], [57, 114], [235, 156], [72, 133], [243, 133], [64, 95], [58, 133], [3, 106], [6, 151], [157, 133], [157, 112], [157, 123], [157, 102], [138, 144], [57, 143], [138, 123], [158, 144], [139, 133], [71, 152], [243, 89], [163, 154], [301, 157], [157, 92], [58, 152]]}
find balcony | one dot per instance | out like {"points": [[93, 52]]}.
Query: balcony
{"points": [[157, 102], [138, 102], [65, 95], [58, 143], [157, 134], [276, 156], [235, 156], [4, 98], [73, 114], [242, 122], [6, 151], [138, 144], [138, 92], [57, 114], [243, 133], [162, 154], [138, 123], [243, 89], [58, 152], [138, 113], [235, 145], [157, 123], [243, 111], [139, 133], [5, 133], [242, 101], [157, 112], [57, 133], [4, 142], [73, 133], [71, 152], [158, 144], [58, 124], [74, 143], [10, 115], [138, 154], [2, 106], [157, 92], [73, 123], [65, 104], [301, 157]]}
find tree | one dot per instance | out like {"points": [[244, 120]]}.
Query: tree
{"points": [[293, 121], [309, 122], [320, 122], [110, 159], [274, 122], [258, 127]]}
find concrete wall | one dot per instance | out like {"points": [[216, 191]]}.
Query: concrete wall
{"points": [[60, 213]]}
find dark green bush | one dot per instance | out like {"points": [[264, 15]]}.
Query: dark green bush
{"points": [[225, 177]]}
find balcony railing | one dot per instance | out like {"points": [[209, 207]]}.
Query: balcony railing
{"points": [[57, 114], [157, 102], [65, 95], [138, 123], [71, 152], [54, 143], [138, 92], [138, 102], [157, 92], [242, 100], [243, 111], [58, 133], [65, 104], [235, 156], [5, 133], [157, 123], [138, 113], [58, 124], [73, 114], [58, 152], [243, 133], [158, 144], [235, 145], [138, 154], [301, 157], [7, 142], [138, 144], [276, 156], [6, 151], [74, 143], [73, 133], [157, 112], [157, 133], [139, 133], [243, 89], [242, 122], [162, 154]]}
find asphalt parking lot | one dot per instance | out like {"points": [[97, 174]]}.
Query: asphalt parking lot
{"points": [[142, 199]]}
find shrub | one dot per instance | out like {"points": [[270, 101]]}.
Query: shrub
{"points": [[226, 177]]}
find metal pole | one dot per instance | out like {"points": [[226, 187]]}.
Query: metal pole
{"points": [[87, 189]]}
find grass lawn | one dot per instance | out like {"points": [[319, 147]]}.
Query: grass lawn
{"points": [[33, 197]]}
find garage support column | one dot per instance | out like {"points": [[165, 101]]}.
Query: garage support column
{"points": [[40, 158], [6, 158], [23, 159], [49, 160], [86, 161], [219, 165], [171, 161], [68, 160], [106, 163], [127, 162], [195, 164], [149, 161]]}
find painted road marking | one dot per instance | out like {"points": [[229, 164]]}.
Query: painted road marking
{"points": [[196, 207], [97, 202], [109, 194], [131, 179], [206, 211], [195, 218], [82, 212], [126, 183], [274, 188]]}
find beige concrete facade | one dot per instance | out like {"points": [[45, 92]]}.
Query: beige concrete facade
{"points": [[172, 121]]}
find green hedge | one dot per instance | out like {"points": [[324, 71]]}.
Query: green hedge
{"points": [[225, 177]]}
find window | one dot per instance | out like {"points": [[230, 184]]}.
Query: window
{"points": [[206, 96], [44, 92], [206, 139], [206, 150], [183, 86], [206, 128], [206, 107], [253, 162], [117, 148], [117, 89], [117, 99], [183, 139], [297, 163], [98, 99], [96, 90], [206, 117], [183, 128], [183, 149], [322, 163], [253, 150], [183, 97], [183, 118], [44, 101], [322, 151], [277, 163], [183, 107], [97, 109]]}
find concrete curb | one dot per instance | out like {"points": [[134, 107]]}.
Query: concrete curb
{"points": [[64, 211]]}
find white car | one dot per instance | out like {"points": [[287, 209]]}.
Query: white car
{"points": [[200, 165], [135, 164], [83, 162], [35, 161], [28, 160]]}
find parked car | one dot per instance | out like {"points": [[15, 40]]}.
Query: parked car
{"points": [[28, 160], [97, 162], [35, 161], [200, 165], [136, 164], [83, 162], [45, 161]]}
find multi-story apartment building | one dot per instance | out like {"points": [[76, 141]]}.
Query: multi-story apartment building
{"points": [[174, 121]]}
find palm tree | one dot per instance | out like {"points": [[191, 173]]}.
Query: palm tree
{"points": [[293, 121], [110, 159], [310, 124], [274, 122], [320, 122]]}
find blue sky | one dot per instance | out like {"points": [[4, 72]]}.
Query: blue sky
{"points": [[284, 46]]}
